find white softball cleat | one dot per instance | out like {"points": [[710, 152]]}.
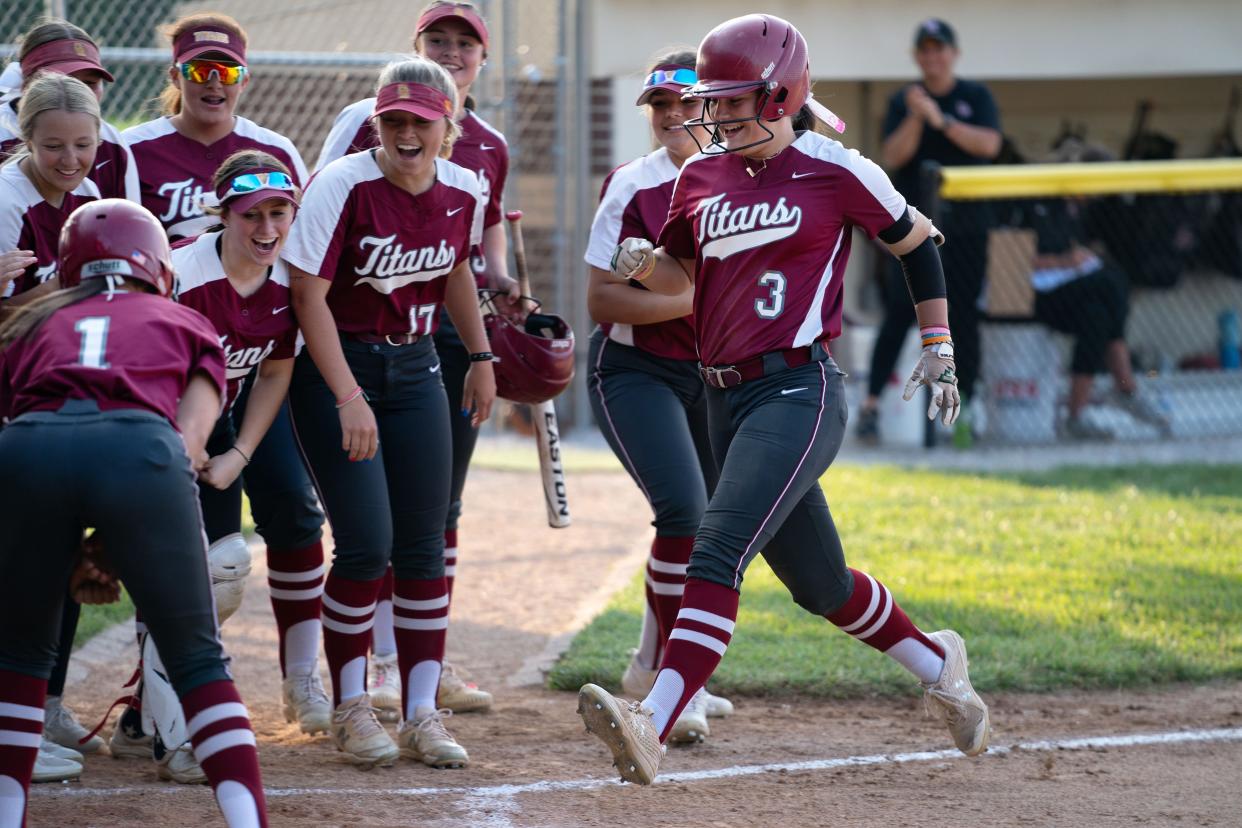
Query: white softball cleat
{"points": [[954, 701], [307, 703], [459, 695], [51, 768], [179, 765], [691, 726], [61, 726], [385, 687], [359, 735], [429, 742], [626, 729]]}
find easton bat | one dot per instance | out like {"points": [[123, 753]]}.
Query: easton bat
{"points": [[543, 415]]}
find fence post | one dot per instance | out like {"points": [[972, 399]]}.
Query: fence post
{"points": [[929, 187]]}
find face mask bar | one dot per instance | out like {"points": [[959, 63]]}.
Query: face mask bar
{"points": [[716, 144]]}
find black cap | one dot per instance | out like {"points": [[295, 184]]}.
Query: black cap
{"points": [[936, 29]]}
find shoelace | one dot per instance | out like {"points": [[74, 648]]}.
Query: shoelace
{"points": [[312, 688], [362, 717], [433, 725]]}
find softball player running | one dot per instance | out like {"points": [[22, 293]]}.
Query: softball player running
{"points": [[59, 124], [760, 222], [382, 241], [233, 276], [177, 157], [455, 36], [96, 381], [59, 46], [644, 369]]}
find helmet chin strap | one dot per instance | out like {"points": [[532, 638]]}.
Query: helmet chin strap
{"points": [[716, 144]]}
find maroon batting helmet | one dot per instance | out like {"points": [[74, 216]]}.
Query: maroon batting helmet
{"points": [[115, 237], [757, 52], [534, 362]]}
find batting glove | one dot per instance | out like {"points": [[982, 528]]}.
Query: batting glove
{"points": [[936, 370], [633, 259]]}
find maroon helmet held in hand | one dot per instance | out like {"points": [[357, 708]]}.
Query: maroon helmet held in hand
{"points": [[113, 237], [757, 52], [533, 362]]}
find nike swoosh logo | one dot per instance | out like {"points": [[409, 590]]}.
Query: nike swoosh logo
{"points": [[101, 163], [278, 310], [455, 212], [433, 369], [803, 175], [485, 147], [792, 390]]}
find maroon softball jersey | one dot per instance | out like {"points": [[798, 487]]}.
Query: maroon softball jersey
{"points": [[386, 252], [27, 222], [634, 203], [114, 172], [135, 350], [480, 148], [251, 328], [770, 249], [177, 171]]}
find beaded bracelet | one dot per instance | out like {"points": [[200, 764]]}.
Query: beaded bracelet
{"points": [[355, 394]]}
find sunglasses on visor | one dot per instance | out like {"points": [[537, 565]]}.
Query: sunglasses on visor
{"points": [[685, 77], [200, 71], [251, 182]]}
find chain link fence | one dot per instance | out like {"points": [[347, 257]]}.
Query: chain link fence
{"points": [[310, 58]]}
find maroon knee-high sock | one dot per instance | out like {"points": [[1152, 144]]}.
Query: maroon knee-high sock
{"points": [[695, 646], [348, 613], [295, 582], [666, 582], [21, 729], [872, 616], [225, 748], [420, 621]]}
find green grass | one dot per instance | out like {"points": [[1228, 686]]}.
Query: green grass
{"points": [[1077, 578], [97, 618]]}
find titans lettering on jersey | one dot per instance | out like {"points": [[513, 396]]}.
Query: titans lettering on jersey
{"points": [[128, 351], [386, 252], [480, 149], [770, 250], [27, 222], [634, 203], [176, 171], [250, 328]]}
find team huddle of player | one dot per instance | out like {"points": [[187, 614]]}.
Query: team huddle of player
{"points": [[187, 313]]}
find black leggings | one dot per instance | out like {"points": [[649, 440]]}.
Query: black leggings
{"points": [[1093, 309], [391, 509], [774, 437], [454, 363], [127, 474], [653, 413]]}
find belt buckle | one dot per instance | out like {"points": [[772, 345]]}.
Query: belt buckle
{"points": [[717, 376], [403, 339]]}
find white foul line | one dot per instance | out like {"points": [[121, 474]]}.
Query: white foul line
{"points": [[506, 791]]}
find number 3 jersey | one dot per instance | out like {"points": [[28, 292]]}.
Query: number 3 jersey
{"points": [[770, 249], [250, 328], [135, 350], [386, 252]]}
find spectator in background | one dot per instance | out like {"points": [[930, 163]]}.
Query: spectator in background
{"points": [[954, 122], [1081, 294]]}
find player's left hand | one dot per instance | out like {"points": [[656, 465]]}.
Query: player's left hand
{"points": [[479, 393], [936, 370], [508, 300], [222, 470]]}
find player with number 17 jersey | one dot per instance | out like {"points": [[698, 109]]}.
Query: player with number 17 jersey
{"points": [[386, 252], [758, 242]]}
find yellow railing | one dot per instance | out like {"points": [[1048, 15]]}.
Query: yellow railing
{"points": [[1033, 180]]}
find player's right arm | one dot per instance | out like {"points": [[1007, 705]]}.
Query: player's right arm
{"points": [[613, 299], [196, 416]]}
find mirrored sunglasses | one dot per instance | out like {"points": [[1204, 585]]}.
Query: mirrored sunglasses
{"points": [[251, 182], [200, 71], [685, 77]]}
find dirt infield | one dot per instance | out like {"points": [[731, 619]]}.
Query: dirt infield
{"points": [[523, 587]]}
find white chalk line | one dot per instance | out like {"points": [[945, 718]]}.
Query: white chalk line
{"points": [[505, 791]]}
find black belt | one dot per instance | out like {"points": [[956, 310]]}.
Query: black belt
{"points": [[385, 339], [726, 376]]}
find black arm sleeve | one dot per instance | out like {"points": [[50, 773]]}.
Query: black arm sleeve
{"points": [[924, 273]]}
